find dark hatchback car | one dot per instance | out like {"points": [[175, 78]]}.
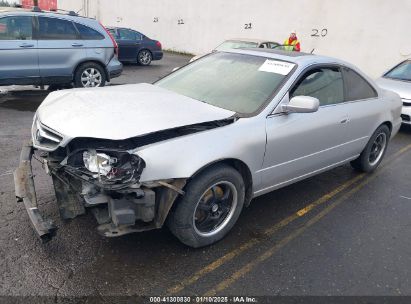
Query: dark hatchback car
{"points": [[136, 47]]}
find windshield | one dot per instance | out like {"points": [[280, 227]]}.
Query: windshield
{"points": [[230, 44], [401, 71], [236, 82]]}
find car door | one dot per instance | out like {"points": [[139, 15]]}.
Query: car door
{"points": [[363, 107], [18, 51], [60, 49], [128, 45], [302, 144]]}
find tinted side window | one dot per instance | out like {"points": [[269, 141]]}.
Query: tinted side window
{"points": [[357, 88], [138, 36], [273, 45], [16, 28], [56, 29], [87, 33], [326, 84], [126, 34], [112, 32]]}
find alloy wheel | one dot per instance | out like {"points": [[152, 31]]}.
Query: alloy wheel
{"points": [[91, 77], [215, 208], [378, 148], [144, 57]]}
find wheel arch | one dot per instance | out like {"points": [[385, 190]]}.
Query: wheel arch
{"points": [[238, 165], [144, 48], [388, 124], [103, 66]]}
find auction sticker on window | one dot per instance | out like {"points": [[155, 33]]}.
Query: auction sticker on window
{"points": [[275, 66]]}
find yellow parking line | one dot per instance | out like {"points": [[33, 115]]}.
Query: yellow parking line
{"points": [[270, 231], [248, 267], [250, 243]]}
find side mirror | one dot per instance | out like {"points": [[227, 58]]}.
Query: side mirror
{"points": [[302, 104]]}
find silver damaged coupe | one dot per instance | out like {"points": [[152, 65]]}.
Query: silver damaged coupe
{"points": [[194, 148]]}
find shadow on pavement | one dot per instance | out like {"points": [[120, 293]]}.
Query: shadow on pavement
{"points": [[24, 100]]}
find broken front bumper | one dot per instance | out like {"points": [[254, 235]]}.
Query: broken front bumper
{"points": [[26, 193], [131, 209]]}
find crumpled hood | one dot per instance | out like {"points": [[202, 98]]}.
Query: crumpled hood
{"points": [[121, 112], [402, 88]]}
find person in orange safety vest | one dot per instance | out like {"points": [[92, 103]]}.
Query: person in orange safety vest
{"points": [[292, 43]]}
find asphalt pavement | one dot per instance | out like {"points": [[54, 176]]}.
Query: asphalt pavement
{"points": [[340, 233]]}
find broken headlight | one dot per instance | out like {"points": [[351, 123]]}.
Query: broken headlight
{"points": [[106, 167], [100, 163]]}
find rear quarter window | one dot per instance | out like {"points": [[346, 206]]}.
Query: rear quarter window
{"points": [[357, 87], [87, 33], [139, 36]]}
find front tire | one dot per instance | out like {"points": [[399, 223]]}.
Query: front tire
{"points": [[210, 207], [89, 75], [144, 57], [374, 151]]}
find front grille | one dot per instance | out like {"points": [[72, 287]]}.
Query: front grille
{"points": [[44, 137], [405, 117]]}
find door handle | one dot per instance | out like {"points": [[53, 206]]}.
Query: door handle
{"points": [[76, 44], [26, 45], [345, 120]]}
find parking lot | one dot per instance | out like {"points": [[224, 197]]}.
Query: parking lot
{"points": [[339, 233]]}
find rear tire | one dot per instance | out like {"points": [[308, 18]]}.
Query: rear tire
{"points": [[89, 75], [144, 57], [374, 151], [210, 207]]}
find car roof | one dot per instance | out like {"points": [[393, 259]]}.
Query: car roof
{"points": [[120, 28], [250, 40], [24, 12], [299, 58]]}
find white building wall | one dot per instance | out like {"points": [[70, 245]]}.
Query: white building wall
{"points": [[373, 34]]}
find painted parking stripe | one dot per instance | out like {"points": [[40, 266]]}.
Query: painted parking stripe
{"points": [[270, 252], [252, 242], [273, 229]]}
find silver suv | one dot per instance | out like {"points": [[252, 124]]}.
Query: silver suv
{"points": [[43, 48]]}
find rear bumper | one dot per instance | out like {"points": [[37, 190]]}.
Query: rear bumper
{"points": [[116, 73], [114, 68], [26, 193], [157, 55]]}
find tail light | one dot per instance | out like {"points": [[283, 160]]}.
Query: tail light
{"points": [[115, 45], [158, 44]]}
